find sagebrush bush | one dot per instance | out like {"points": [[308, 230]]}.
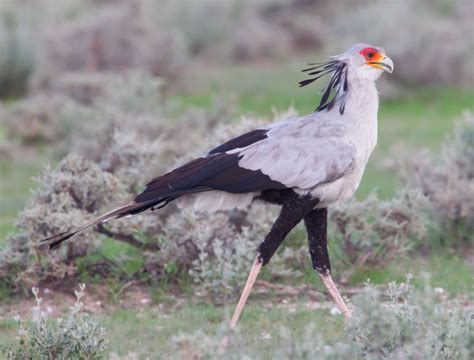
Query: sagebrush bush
{"points": [[73, 336], [225, 252], [371, 232], [66, 197], [399, 323], [112, 38], [17, 52], [446, 179], [35, 119], [277, 29], [411, 324], [21, 26]]}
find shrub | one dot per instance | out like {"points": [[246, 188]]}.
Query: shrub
{"points": [[67, 197], [256, 40], [277, 29], [191, 19], [21, 23], [17, 53], [399, 323], [74, 336], [35, 120], [225, 253], [411, 324], [447, 180], [373, 232], [112, 38]]}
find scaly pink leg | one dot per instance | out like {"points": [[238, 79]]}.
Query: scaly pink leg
{"points": [[257, 265], [327, 280]]}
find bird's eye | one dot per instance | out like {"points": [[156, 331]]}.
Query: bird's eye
{"points": [[370, 55]]}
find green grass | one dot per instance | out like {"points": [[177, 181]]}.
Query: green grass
{"points": [[16, 183], [151, 330], [450, 271]]}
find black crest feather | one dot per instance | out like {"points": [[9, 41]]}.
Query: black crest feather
{"points": [[336, 90]]}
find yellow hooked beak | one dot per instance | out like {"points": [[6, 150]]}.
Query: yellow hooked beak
{"points": [[383, 63]]}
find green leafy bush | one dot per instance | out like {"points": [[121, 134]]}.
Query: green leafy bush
{"points": [[73, 336]]}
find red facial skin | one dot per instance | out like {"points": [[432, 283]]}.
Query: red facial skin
{"points": [[371, 55]]}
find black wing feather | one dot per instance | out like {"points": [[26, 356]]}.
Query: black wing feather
{"points": [[219, 171], [241, 141]]}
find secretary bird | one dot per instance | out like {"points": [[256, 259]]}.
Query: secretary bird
{"points": [[303, 164]]}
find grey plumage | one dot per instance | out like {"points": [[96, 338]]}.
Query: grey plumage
{"points": [[322, 155]]}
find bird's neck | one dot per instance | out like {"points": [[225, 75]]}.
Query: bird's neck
{"points": [[361, 111], [363, 99]]}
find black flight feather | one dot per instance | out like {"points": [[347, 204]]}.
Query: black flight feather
{"points": [[215, 171]]}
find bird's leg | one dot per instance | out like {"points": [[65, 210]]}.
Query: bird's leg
{"points": [[257, 265], [327, 280], [293, 210], [316, 226]]}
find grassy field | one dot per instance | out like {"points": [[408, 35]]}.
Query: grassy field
{"points": [[419, 118], [152, 329]]}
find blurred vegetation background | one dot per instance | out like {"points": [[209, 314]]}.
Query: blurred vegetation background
{"points": [[98, 96]]}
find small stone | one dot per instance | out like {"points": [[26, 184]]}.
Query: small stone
{"points": [[265, 336], [334, 311], [439, 290], [46, 291]]}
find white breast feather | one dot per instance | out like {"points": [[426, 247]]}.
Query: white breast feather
{"points": [[215, 200]]}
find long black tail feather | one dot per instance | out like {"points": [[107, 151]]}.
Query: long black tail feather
{"points": [[53, 242]]}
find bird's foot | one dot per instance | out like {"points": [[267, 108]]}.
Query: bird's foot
{"points": [[329, 283]]}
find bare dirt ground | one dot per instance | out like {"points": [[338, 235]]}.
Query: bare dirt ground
{"points": [[133, 295]]}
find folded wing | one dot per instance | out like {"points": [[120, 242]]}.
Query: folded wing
{"points": [[300, 155]]}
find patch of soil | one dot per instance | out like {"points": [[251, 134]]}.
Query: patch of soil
{"points": [[98, 299]]}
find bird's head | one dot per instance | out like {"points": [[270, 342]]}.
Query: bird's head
{"points": [[361, 61], [366, 61]]}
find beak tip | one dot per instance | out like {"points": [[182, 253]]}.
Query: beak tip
{"points": [[389, 64]]}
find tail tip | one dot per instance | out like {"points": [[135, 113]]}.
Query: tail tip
{"points": [[54, 242]]}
